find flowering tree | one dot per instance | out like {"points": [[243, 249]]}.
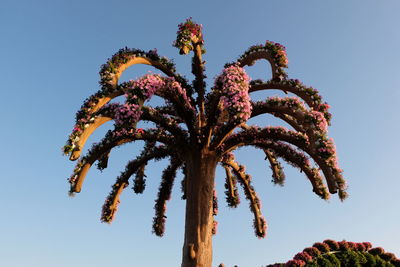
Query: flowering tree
{"points": [[197, 130], [343, 253]]}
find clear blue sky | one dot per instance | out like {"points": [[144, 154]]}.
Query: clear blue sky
{"points": [[51, 52]]}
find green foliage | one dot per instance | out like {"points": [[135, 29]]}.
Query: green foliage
{"points": [[341, 254], [349, 258]]}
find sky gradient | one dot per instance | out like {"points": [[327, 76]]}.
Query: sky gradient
{"points": [[51, 53]]}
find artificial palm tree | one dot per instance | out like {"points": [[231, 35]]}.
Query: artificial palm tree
{"points": [[199, 129]]}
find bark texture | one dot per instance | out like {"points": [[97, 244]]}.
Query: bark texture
{"points": [[197, 248]]}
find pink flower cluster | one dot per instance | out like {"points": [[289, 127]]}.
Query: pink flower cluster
{"points": [[127, 114], [235, 93], [214, 227], [149, 84], [174, 88]]}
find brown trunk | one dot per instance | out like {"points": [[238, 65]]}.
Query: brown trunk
{"points": [[197, 248]]}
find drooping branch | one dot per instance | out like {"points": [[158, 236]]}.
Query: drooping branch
{"points": [[102, 162], [164, 194], [86, 123], [113, 139], [298, 160], [249, 135], [111, 204], [290, 110], [278, 176], [165, 87], [129, 113], [139, 183], [168, 123], [110, 74], [275, 53], [244, 179], [323, 151], [231, 193], [277, 170], [310, 95]]}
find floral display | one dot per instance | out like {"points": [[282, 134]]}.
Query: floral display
{"points": [[198, 128], [188, 32], [235, 99], [343, 253], [275, 53]]}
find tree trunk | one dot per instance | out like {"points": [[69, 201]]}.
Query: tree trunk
{"points": [[200, 172]]}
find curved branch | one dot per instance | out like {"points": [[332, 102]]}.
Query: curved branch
{"points": [[298, 160], [111, 204], [164, 194], [84, 118], [111, 140], [249, 60], [232, 196], [140, 182], [274, 53], [87, 132], [273, 134], [125, 58], [284, 108], [108, 113], [102, 162], [249, 135], [278, 176], [255, 206], [310, 95], [168, 123]]}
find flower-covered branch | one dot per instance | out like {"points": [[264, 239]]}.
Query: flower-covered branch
{"points": [[111, 204], [234, 105], [188, 35], [275, 53], [260, 225], [164, 194], [84, 120], [323, 152], [126, 57], [298, 160], [310, 95], [278, 176], [128, 114], [112, 139], [231, 193]]}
